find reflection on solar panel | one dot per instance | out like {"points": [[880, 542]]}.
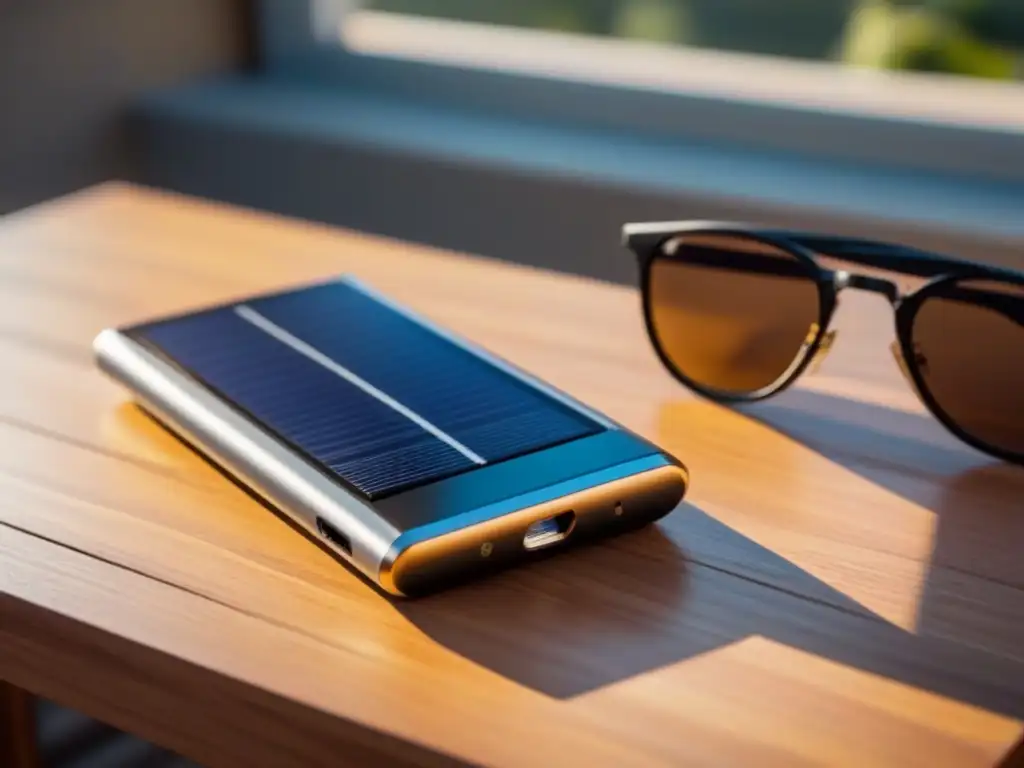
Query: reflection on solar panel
{"points": [[371, 395]]}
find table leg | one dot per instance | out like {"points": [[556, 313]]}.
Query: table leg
{"points": [[1014, 758], [17, 728]]}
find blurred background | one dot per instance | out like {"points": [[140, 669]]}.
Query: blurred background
{"points": [[981, 38], [529, 131]]}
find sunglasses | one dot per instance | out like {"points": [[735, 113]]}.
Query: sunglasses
{"points": [[737, 313]]}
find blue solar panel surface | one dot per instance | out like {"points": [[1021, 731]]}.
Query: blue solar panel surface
{"points": [[372, 396]]}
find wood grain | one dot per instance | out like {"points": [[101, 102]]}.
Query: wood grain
{"points": [[843, 586]]}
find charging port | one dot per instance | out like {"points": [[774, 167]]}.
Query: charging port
{"points": [[550, 530], [333, 535]]}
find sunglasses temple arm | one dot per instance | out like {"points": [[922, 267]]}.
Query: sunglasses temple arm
{"points": [[878, 255]]}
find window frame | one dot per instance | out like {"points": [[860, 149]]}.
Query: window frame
{"points": [[300, 40], [544, 171]]}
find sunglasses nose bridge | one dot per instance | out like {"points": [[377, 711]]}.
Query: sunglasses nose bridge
{"points": [[870, 283], [904, 367], [828, 340], [901, 361]]}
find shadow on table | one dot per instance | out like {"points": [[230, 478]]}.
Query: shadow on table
{"points": [[595, 616], [975, 580]]}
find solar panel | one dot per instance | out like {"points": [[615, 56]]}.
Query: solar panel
{"points": [[359, 388]]}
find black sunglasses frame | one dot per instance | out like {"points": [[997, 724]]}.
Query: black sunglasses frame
{"points": [[648, 241]]}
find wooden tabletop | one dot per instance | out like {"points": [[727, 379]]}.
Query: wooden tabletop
{"points": [[843, 586]]}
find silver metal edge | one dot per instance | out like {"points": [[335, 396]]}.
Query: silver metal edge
{"points": [[589, 481], [524, 376], [256, 458]]}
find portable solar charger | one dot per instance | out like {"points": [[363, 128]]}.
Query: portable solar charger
{"points": [[411, 454]]}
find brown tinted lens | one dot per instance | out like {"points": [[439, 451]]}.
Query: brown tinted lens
{"points": [[969, 344], [732, 313]]}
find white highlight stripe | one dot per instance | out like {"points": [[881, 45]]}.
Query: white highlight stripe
{"points": [[253, 317]]}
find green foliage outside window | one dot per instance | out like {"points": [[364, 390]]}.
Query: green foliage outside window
{"points": [[983, 38]]}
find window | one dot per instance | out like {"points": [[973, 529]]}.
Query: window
{"points": [[983, 38], [784, 55], [529, 130]]}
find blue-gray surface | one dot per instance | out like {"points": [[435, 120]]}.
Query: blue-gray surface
{"points": [[545, 192], [989, 207]]}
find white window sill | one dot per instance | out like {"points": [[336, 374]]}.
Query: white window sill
{"points": [[765, 80]]}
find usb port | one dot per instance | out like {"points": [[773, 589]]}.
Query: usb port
{"points": [[333, 535], [549, 531]]}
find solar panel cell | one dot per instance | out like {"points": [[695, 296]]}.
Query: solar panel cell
{"points": [[370, 395]]}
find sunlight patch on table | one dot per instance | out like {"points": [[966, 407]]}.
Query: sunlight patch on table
{"points": [[836, 523], [778, 697]]}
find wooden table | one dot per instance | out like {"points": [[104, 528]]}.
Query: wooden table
{"points": [[844, 586]]}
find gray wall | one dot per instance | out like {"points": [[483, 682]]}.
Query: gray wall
{"points": [[70, 68]]}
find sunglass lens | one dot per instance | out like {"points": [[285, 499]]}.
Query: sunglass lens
{"points": [[731, 313], [969, 351]]}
